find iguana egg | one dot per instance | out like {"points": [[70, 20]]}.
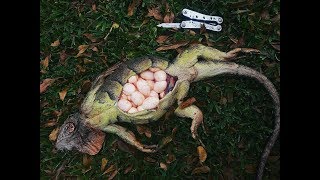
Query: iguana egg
{"points": [[154, 69], [128, 89], [140, 108], [147, 75], [154, 94], [160, 76], [124, 105], [162, 95], [150, 103], [150, 83], [160, 86], [123, 96], [133, 79], [143, 87], [137, 98], [133, 110]]}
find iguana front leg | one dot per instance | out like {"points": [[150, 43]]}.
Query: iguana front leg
{"points": [[129, 137]]}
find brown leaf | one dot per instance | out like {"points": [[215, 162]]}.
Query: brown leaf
{"points": [[237, 42], [192, 33], [200, 170], [168, 18], [43, 104], [163, 166], [170, 158], [55, 43], [45, 84], [132, 7], [50, 123], [203, 29], [172, 46], [53, 135], [265, 14], [147, 133], [276, 45], [95, 49], [82, 49], [94, 7], [251, 169], [90, 37], [80, 68], [113, 175], [87, 61], [165, 141], [63, 57], [162, 39], [86, 160], [155, 12], [187, 102], [57, 113], [111, 168], [45, 62], [202, 154], [149, 159], [63, 94], [141, 129], [104, 162], [128, 169]]}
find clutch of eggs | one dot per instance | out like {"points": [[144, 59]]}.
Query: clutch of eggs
{"points": [[143, 91]]}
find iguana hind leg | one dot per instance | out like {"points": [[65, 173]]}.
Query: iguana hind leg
{"points": [[129, 137], [196, 115]]}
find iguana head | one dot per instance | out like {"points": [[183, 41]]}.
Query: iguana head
{"points": [[76, 134]]}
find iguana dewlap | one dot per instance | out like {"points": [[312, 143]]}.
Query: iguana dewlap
{"points": [[99, 112]]}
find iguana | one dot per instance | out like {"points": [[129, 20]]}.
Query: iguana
{"points": [[85, 130]]}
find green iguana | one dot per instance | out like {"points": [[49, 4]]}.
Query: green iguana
{"points": [[85, 130]]}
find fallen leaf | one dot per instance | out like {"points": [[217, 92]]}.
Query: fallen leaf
{"points": [[86, 160], [202, 154], [200, 170], [57, 113], [128, 169], [237, 42], [162, 39], [265, 14], [113, 175], [172, 46], [45, 84], [140, 129], [55, 43], [168, 18], [95, 49], [155, 12], [63, 57], [87, 61], [104, 162], [63, 94], [90, 37], [251, 169], [276, 45], [43, 104], [50, 123], [53, 135], [203, 29], [170, 158], [165, 141], [82, 49], [111, 168], [163, 166], [147, 133], [132, 7], [192, 33], [115, 25], [80, 68], [45, 62], [187, 103], [94, 7], [43, 71], [149, 159]]}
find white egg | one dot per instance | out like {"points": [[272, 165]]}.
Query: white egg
{"points": [[137, 98], [150, 103], [143, 87], [133, 79], [162, 95], [128, 89], [123, 96], [154, 69], [140, 108], [151, 84], [154, 94], [133, 110], [160, 86], [147, 75], [124, 105], [160, 76]]}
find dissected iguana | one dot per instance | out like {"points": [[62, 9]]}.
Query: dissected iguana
{"points": [[84, 131]]}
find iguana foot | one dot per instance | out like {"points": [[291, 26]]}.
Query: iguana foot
{"points": [[233, 53]]}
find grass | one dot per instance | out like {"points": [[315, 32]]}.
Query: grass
{"points": [[238, 111]]}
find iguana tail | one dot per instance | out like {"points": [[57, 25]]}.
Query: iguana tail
{"points": [[212, 68]]}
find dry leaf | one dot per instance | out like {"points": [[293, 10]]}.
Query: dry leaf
{"points": [[251, 169], [43, 104], [163, 166], [132, 6], [94, 7], [187, 102], [149, 159], [113, 175], [140, 129], [203, 29], [128, 169], [80, 68], [172, 46], [53, 135], [165, 141], [162, 39], [111, 168], [45, 84], [265, 14], [86, 160], [155, 12], [90, 37], [147, 133], [237, 42], [45, 62], [201, 170], [170, 158], [95, 49], [57, 113], [87, 61], [82, 49], [202, 154], [276, 45], [168, 18], [63, 57], [50, 123], [192, 33], [63, 94], [104, 162], [115, 25], [55, 43]]}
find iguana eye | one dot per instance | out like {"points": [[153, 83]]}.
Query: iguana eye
{"points": [[69, 127]]}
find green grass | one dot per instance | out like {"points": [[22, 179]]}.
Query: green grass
{"points": [[238, 129]]}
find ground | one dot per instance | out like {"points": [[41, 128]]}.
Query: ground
{"points": [[238, 112]]}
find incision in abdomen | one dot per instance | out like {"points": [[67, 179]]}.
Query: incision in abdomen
{"points": [[145, 90]]}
